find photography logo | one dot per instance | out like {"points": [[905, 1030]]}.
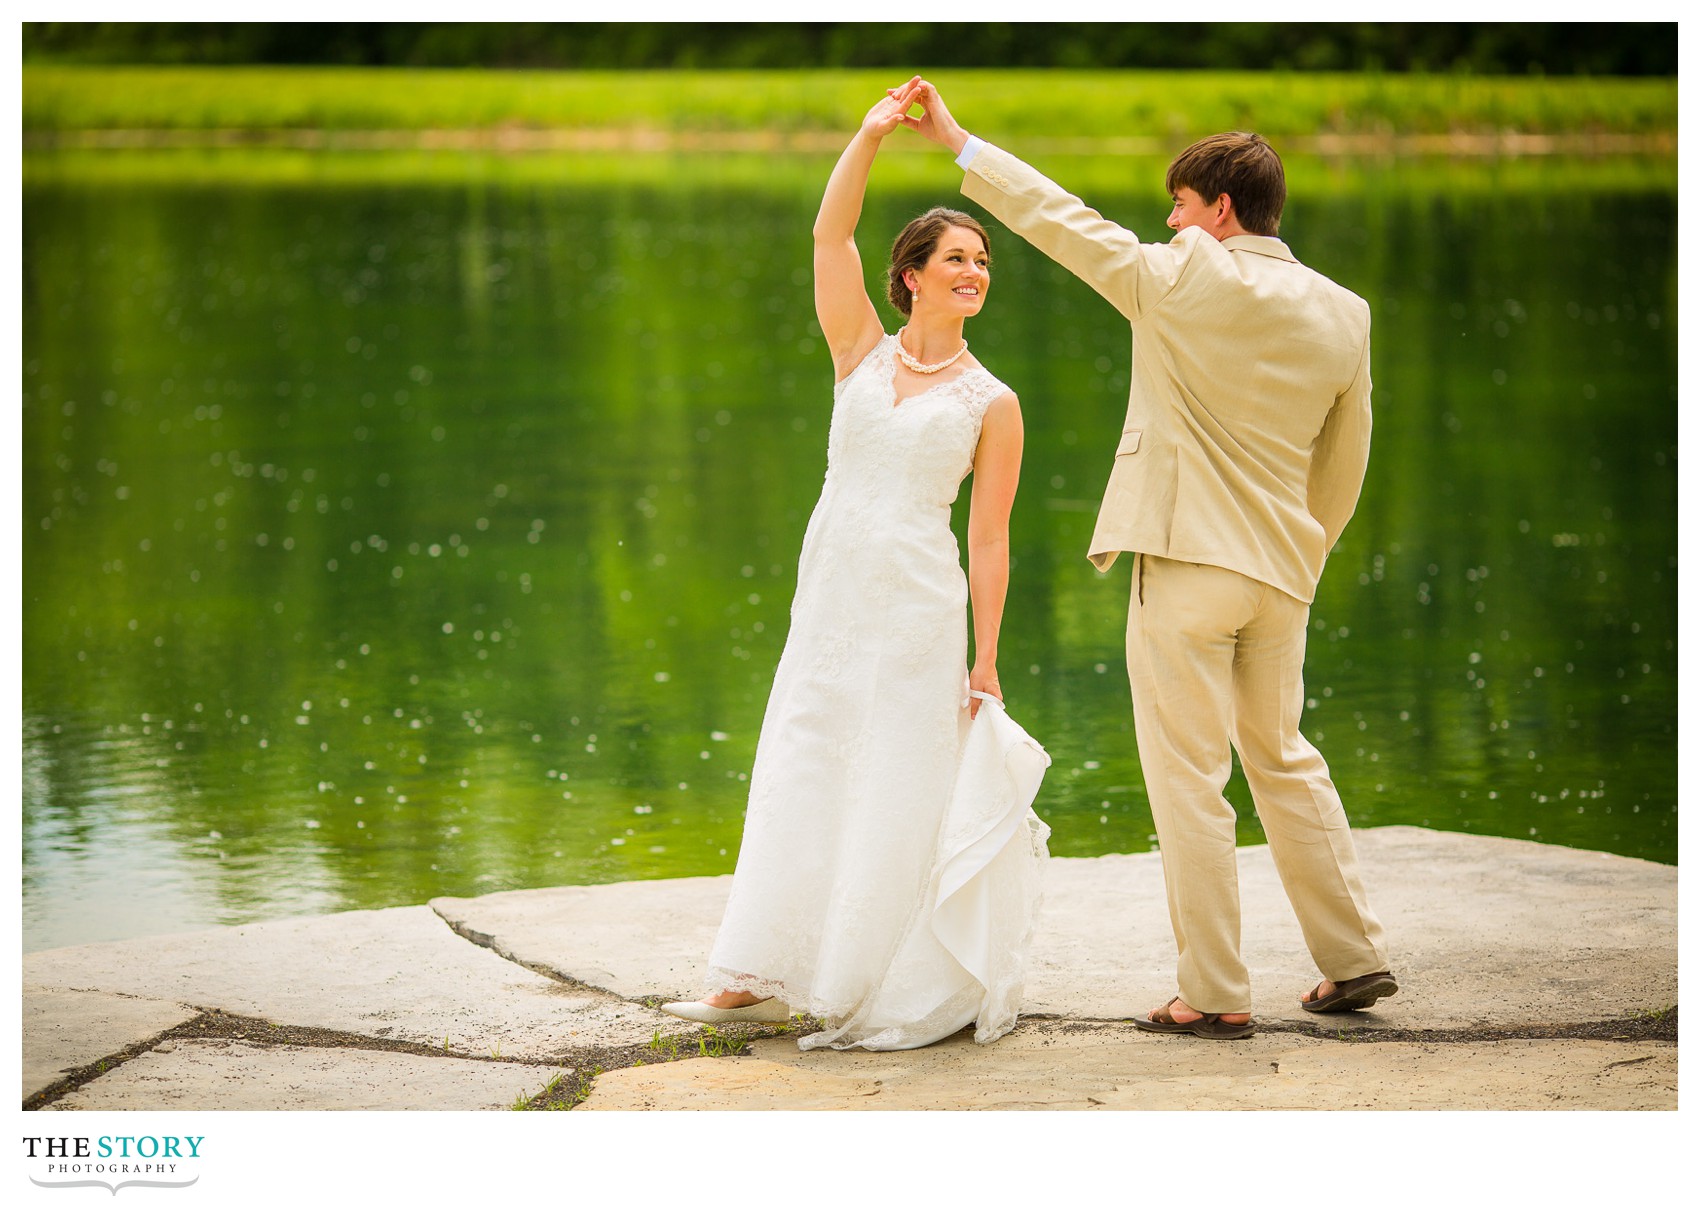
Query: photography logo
{"points": [[113, 1162]]}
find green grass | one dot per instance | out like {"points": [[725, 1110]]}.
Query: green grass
{"points": [[1657, 1016], [709, 1042], [564, 1092], [1167, 107], [712, 1043]]}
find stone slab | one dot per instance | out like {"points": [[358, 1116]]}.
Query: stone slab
{"points": [[229, 1075], [1081, 1067], [68, 1029], [728, 1084], [399, 974], [1483, 930], [647, 938]]}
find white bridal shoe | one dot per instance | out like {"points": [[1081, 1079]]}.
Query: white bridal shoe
{"points": [[771, 1010]]}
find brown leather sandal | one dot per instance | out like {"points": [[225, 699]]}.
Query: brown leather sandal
{"points": [[1359, 993], [1210, 1026]]}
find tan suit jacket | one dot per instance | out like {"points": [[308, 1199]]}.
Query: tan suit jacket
{"points": [[1248, 422]]}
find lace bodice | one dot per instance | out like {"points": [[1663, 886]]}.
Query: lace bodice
{"points": [[913, 453]]}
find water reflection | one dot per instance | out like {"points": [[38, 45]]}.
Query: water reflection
{"points": [[399, 540]]}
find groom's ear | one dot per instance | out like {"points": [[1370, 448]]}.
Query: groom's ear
{"points": [[1224, 210]]}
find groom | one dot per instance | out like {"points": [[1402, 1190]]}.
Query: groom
{"points": [[1240, 461]]}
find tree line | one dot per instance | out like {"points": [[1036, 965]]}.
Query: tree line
{"points": [[1479, 48]]}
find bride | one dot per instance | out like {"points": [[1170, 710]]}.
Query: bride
{"points": [[889, 870]]}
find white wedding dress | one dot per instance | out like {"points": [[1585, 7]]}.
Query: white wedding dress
{"points": [[890, 866]]}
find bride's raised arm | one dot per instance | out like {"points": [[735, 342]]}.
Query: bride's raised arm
{"points": [[848, 320]]}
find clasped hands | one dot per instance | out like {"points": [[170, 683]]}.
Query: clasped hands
{"points": [[935, 123]]}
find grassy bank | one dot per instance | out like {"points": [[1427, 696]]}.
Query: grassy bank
{"points": [[1167, 107], [1096, 176]]}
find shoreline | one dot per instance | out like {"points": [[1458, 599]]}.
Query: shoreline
{"points": [[1501, 144], [546, 999]]}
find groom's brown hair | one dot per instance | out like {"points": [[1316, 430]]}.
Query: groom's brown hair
{"points": [[1241, 165]]}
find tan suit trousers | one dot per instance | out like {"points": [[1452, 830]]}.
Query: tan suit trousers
{"points": [[1215, 656]]}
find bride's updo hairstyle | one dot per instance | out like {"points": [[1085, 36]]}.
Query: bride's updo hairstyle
{"points": [[916, 244]]}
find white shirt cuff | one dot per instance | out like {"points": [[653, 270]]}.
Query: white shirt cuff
{"points": [[968, 152]]}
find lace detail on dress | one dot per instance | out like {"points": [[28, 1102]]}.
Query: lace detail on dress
{"points": [[859, 793], [977, 396]]}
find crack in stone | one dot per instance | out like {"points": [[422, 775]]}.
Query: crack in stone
{"points": [[214, 1024], [588, 1063], [584, 1063], [1639, 1060], [1637, 1029], [1640, 1029], [488, 942], [87, 1073]]}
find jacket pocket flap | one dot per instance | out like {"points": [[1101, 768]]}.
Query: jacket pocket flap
{"points": [[1129, 442]]}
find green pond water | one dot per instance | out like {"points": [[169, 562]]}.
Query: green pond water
{"points": [[397, 527]]}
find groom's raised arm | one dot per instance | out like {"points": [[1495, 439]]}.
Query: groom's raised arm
{"points": [[1132, 275]]}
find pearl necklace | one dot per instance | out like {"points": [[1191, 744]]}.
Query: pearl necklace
{"points": [[919, 367]]}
